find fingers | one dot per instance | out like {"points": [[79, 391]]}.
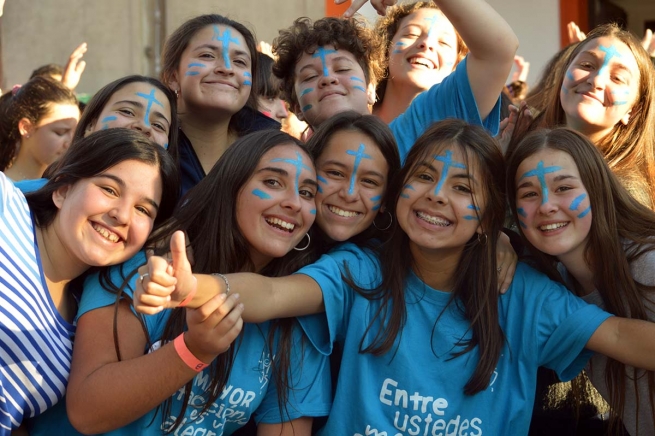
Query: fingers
{"points": [[74, 67], [178, 250], [354, 7], [507, 276], [648, 42]]}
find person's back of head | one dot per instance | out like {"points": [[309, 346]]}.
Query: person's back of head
{"points": [[54, 71]]}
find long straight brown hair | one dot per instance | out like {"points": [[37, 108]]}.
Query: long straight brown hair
{"points": [[475, 289], [622, 231]]}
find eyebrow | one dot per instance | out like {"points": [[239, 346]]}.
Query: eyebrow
{"points": [[122, 184], [341, 165], [140, 105], [616, 64], [217, 48], [459, 175], [285, 173]]}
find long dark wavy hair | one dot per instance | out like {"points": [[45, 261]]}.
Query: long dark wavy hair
{"points": [[622, 231], [475, 279], [207, 213]]}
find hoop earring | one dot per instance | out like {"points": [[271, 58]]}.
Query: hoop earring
{"points": [[482, 238], [388, 225], [309, 241]]}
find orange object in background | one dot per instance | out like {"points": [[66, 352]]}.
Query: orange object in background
{"points": [[572, 10], [333, 10]]}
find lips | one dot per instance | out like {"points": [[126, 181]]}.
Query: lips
{"points": [[330, 94], [342, 212], [281, 224], [591, 96], [553, 226], [422, 61], [220, 82]]}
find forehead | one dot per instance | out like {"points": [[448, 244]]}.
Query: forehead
{"points": [[292, 157], [550, 157], [59, 111], [601, 46], [130, 91], [344, 141], [428, 18], [314, 58], [211, 35]]}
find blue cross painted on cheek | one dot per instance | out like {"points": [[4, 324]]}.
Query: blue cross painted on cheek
{"points": [[298, 163], [610, 52], [447, 163], [321, 52], [541, 172], [432, 21], [151, 99], [225, 40], [359, 155]]}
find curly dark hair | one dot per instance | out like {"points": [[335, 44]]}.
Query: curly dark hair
{"points": [[304, 36]]}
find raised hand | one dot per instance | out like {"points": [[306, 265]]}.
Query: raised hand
{"points": [[648, 42], [165, 284], [379, 5], [74, 67], [521, 69], [575, 34]]}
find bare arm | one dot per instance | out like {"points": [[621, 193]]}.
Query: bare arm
{"points": [[104, 394], [264, 298], [492, 45], [630, 341], [297, 427]]}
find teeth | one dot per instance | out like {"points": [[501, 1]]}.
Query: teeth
{"points": [[341, 212], [421, 61], [553, 226], [282, 224], [113, 237], [433, 219]]}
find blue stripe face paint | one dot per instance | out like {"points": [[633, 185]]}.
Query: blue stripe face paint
{"points": [[623, 94], [399, 45], [298, 163], [313, 211], [151, 99], [247, 82], [610, 52], [106, 120], [166, 146], [540, 172], [522, 213], [321, 52], [306, 108], [584, 212], [359, 155], [356, 79], [194, 65], [306, 91], [472, 217], [376, 199], [359, 88], [261, 194], [576, 202], [407, 188], [432, 21], [321, 180], [569, 75], [225, 41], [448, 162]]}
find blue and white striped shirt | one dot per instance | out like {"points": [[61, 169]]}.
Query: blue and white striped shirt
{"points": [[36, 343]]}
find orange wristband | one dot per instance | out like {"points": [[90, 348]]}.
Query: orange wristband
{"points": [[188, 298], [187, 356]]}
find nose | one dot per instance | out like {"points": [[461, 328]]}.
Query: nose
{"points": [[349, 190], [426, 43], [120, 213], [547, 206], [598, 79], [327, 80], [292, 200], [280, 109], [437, 194], [143, 126], [223, 66]]}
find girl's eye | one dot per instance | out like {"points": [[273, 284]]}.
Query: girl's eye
{"points": [[444, 43], [143, 210], [206, 56], [159, 126], [309, 78], [528, 194], [126, 112], [306, 193], [334, 173], [586, 64], [272, 183], [425, 176], [342, 70], [463, 188], [563, 188], [108, 190], [240, 62], [371, 182]]}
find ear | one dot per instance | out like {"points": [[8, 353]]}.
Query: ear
{"points": [[174, 84], [370, 94], [295, 108], [25, 127], [90, 127], [59, 196], [626, 118]]}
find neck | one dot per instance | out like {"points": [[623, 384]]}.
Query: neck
{"points": [[594, 134], [396, 100], [577, 266], [24, 168], [209, 140], [436, 269], [59, 269]]}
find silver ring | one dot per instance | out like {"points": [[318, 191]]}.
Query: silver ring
{"points": [[499, 269], [143, 276]]}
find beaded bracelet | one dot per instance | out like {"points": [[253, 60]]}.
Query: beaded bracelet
{"points": [[187, 356], [227, 284]]}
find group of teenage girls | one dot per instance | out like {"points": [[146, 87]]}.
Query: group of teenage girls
{"points": [[381, 237]]}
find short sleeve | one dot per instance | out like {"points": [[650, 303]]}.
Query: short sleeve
{"points": [[452, 98]]}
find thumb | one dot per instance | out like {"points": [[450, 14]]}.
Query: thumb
{"points": [[178, 253]]}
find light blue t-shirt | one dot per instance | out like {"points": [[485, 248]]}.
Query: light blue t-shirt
{"points": [[250, 390], [417, 388], [452, 98], [30, 185]]}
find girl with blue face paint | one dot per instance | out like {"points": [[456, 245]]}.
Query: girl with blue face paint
{"points": [[428, 342], [586, 230]]}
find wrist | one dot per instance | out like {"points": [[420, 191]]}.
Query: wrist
{"points": [[190, 295], [188, 356]]}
